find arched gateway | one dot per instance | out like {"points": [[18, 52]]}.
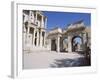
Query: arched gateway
{"points": [[77, 42], [76, 30]]}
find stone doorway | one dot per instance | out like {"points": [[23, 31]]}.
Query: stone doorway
{"points": [[53, 45]]}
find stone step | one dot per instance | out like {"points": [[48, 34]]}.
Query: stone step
{"points": [[36, 49]]}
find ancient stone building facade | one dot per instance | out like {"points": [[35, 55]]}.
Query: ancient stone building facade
{"points": [[35, 35], [34, 25], [63, 40]]}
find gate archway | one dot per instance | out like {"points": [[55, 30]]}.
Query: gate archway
{"points": [[77, 42]]}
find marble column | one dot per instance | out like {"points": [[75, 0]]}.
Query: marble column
{"points": [[44, 38], [69, 44], [61, 45], [58, 43], [49, 44], [34, 37], [41, 37], [33, 17], [42, 21], [84, 38], [37, 42], [28, 29], [29, 17], [24, 30], [45, 22], [24, 37], [36, 17]]}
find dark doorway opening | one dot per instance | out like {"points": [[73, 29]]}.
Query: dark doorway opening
{"points": [[53, 45]]}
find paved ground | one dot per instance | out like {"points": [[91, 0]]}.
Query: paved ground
{"points": [[53, 59]]}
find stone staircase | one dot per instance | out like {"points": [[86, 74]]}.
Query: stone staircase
{"points": [[35, 49]]}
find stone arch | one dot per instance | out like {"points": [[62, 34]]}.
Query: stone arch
{"points": [[76, 46]]}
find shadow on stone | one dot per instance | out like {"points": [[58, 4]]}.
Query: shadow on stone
{"points": [[71, 62]]}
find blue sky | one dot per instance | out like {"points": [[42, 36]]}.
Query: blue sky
{"points": [[62, 19]]}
